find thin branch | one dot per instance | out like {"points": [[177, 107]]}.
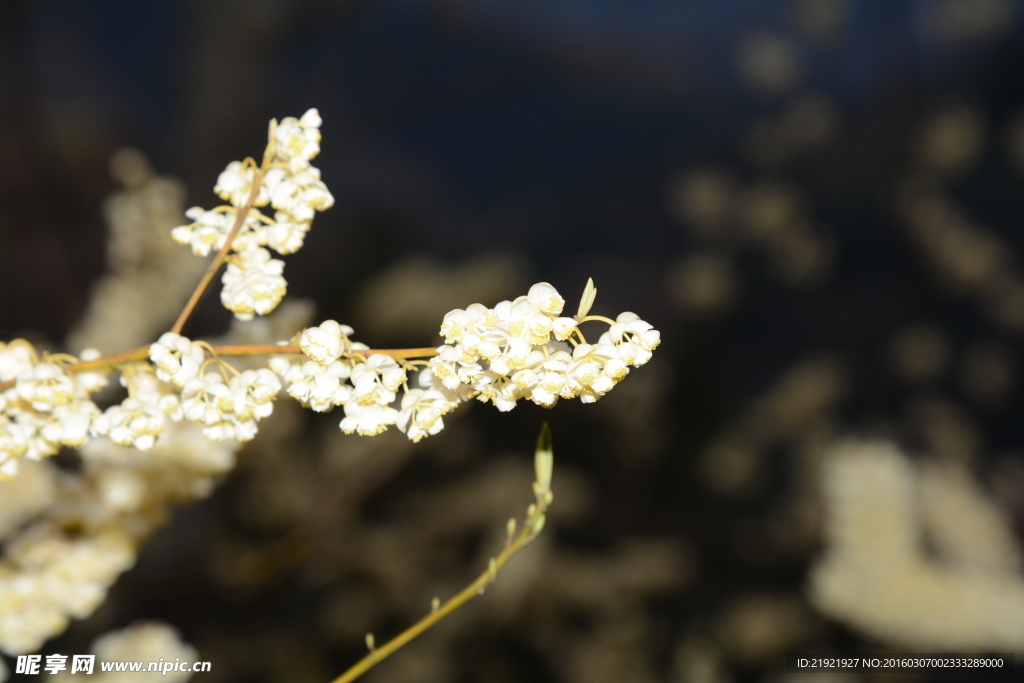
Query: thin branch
{"points": [[142, 353], [218, 260], [532, 527], [473, 590]]}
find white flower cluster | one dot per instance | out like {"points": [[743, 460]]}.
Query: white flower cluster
{"points": [[227, 403], [337, 374], [48, 577], [521, 349], [68, 537], [964, 593], [91, 525], [46, 408], [230, 408], [518, 349], [143, 416], [49, 407], [145, 641], [253, 283]]}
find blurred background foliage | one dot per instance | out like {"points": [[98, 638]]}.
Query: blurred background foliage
{"points": [[817, 202]]}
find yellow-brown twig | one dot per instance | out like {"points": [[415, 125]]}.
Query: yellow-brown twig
{"points": [[218, 260]]}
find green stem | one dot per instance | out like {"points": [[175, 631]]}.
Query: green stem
{"points": [[475, 589]]}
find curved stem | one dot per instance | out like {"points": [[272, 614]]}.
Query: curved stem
{"points": [[475, 589], [218, 260], [534, 523]]}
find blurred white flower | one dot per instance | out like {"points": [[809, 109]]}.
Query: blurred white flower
{"points": [[45, 386]]}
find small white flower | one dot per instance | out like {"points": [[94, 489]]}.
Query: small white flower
{"points": [[469, 373], [33, 424], [234, 184], [15, 358], [298, 140], [143, 385], [634, 338], [525, 378], [542, 397], [45, 386], [587, 376], [177, 359], [286, 235], [301, 195], [376, 380], [253, 283], [253, 393], [71, 424], [321, 386], [616, 368], [513, 358], [242, 430], [512, 314], [288, 368], [311, 119], [468, 348], [563, 328], [209, 400], [326, 342], [132, 423], [209, 230], [367, 420], [499, 390], [230, 410], [546, 298], [444, 366], [454, 397], [421, 413], [477, 320], [274, 176], [206, 398], [544, 378], [89, 381], [538, 329]]}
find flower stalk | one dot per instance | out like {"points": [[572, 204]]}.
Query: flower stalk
{"points": [[243, 213], [543, 460]]}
